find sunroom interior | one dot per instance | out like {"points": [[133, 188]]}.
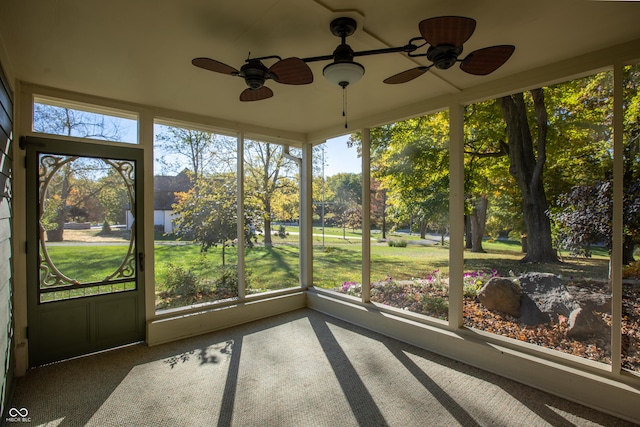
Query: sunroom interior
{"points": [[133, 60]]}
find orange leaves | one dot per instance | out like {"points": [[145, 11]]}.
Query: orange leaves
{"points": [[551, 336]]}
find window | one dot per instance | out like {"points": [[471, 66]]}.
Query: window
{"points": [[195, 216], [272, 212], [631, 221], [409, 211], [337, 217], [66, 118], [537, 166]]}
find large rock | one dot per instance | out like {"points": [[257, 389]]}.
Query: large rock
{"points": [[501, 294], [584, 322], [545, 298], [598, 299], [542, 298]]}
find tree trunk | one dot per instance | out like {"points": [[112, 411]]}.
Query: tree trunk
{"points": [[478, 221], [468, 243], [423, 229], [628, 247], [57, 235], [384, 214], [527, 167], [267, 231]]}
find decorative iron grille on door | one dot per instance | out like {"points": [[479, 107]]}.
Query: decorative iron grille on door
{"points": [[87, 227]]}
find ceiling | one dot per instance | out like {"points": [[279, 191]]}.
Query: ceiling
{"points": [[141, 52]]}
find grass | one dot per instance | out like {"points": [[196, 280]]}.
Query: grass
{"points": [[87, 263], [338, 261]]}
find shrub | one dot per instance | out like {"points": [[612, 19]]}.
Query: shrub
{"points": [[179, 281], [433, 280], [397, 243], [352, 288], [435, 306], [475, 280], [632, 271], [226, 281]]}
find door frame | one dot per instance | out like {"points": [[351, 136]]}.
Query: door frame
{"points": [[60, 330]]}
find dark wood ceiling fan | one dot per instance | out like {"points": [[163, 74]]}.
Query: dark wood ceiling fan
{"points": [[290, 71], [444, 36]]}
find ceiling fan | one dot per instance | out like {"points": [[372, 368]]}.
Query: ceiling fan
{"points": [[445, 36], [290, 71]]}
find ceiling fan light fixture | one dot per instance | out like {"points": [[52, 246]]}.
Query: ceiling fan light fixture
{"points": [[343, 74]]}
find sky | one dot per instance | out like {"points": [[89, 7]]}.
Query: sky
{"points": [[340, 158]]}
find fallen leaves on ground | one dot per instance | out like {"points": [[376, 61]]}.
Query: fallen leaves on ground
{"points": [[419, 299]]}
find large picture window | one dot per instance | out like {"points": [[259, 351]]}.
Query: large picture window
{"points": [[631, 221], [195, 216], [537, 171], [337, 217], [272, 216]]}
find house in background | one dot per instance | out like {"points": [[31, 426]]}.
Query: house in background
{"points": [[165, 188]]}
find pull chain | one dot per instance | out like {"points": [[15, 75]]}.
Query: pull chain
{"points": [[344, 106]]}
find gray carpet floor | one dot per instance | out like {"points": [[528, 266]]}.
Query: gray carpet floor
{"points": [[298, 369]]}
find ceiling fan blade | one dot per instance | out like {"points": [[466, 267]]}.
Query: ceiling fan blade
{"points": [[406, 76], [256, 94], [447, 30], [213, 65], [484, 61], [292, 71]]}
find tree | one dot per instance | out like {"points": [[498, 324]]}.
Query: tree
{"points": [[353, 218], [577, 147], [68, 122], [113, 197], [199, 151], [585, 218], [411, 161], [489, 189], [631, 179], [585, 214], [266, 168], [379, 206], [526, 165], [286, 206], [209, 217], [522, 152], [346, 199]]}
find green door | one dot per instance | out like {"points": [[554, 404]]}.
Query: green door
{"points": [[84, 248]]}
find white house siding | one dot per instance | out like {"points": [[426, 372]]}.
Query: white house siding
{"points": [[161, 218]]}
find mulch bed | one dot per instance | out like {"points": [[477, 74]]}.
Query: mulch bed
{"points": [[432, 302]]}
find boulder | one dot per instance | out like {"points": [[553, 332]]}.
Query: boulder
{"points": [[545, 298], [596, 299], [501, 294], [584, 322]]}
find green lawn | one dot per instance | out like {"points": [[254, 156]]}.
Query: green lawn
{"points": [[336, 262], [87, 263]]}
